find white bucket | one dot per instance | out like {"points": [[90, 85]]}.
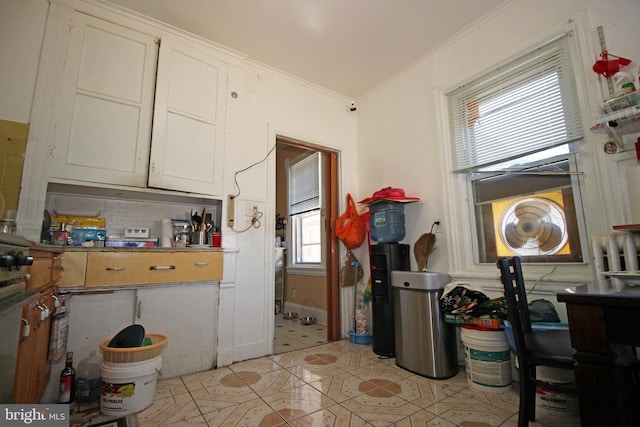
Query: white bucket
{"points": [[128, 387], [487, 358], [551, 402]]}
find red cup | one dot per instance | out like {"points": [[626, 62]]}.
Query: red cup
{"points": [[216, 240]]}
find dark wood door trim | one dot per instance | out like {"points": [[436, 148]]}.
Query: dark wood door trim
{"points": [[332, 247]]}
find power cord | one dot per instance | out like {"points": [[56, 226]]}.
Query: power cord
{"points": [[255, 222], [235, 176]]}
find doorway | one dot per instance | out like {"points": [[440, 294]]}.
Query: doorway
{"points": [[314, 291]]}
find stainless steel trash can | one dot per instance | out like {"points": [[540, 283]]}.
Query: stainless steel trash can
{"points": [[425, 344]]}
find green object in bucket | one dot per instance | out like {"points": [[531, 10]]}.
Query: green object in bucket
{"points": [[146, 341]]}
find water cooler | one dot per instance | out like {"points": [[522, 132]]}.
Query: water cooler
{"points": [[385, 257]]}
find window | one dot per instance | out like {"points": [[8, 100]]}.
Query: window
{"points": [[514, 133], [305, 207]]}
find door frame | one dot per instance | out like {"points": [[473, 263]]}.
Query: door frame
{"points": [[331, 186]]}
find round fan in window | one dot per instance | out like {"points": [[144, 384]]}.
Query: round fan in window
{"points": [[533, 226]]}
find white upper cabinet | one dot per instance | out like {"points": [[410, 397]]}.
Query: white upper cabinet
{"points": [[104, 104], [188, 120], [136, 111]]}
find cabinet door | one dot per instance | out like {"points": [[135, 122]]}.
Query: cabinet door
{"points": [[33, 367], [73, 266], [189, 120], [105, 104], [41, 271], [187, 315]]}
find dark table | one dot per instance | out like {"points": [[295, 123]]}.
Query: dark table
{"points": [[603, 328]]}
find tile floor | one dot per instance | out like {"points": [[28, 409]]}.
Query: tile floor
{"points": [[291, 334], [333, 384]]}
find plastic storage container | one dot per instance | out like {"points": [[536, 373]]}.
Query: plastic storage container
{"points": [[387, 222], [89, 384]]}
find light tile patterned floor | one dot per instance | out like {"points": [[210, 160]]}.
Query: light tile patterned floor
{"points": [[291, 334], [334, 385]]}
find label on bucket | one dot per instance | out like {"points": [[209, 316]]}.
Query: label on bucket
{"points": [[488, 368], [555, 403], [113, 395]]}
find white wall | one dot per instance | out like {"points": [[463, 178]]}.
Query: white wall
{"points": [[400, 143], [269, 104], [21, 31]]}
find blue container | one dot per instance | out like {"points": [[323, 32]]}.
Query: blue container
{"points": [[387, 222]]}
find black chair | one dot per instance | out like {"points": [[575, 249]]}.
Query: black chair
{"points": [[544, 348]]}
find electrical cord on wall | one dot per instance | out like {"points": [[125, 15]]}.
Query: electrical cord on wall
{"points": [[255, 222], [255, 219], [235, 176]]}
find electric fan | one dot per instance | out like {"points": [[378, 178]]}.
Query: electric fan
{"points": [[533, 226]]}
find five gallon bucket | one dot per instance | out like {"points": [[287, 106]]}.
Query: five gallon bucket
{"points": [[552, 402], [128, 387], [487, 358]]}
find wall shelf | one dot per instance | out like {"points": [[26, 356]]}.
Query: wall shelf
{"points": [[620, 116]]}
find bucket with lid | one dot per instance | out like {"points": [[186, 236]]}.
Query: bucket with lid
{"points": [[128, 388], [487, 358], [554, 402]]}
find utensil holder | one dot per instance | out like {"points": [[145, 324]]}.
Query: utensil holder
{"points": [[199, 238]]}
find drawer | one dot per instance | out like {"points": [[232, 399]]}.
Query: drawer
{"points": [[72, 270], [42, 272], [139, 268]]}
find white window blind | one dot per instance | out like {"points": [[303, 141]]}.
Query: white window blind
{"points": [[304, 185], [524, 107]]}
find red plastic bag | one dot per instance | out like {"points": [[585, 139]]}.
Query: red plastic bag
{"points": [[349, 227]]}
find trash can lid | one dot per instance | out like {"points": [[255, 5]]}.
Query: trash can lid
{"points": [[419, 280]]}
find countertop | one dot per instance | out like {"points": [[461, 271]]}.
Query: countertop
{"points": [[60, 249]]}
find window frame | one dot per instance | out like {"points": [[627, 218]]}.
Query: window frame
{"points": [[459, 209], [295, 266]]}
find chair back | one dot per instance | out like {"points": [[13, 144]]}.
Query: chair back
{"points": [[516, 296]]}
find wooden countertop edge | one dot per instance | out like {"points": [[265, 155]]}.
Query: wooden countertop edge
{"points": [[61, 249]]}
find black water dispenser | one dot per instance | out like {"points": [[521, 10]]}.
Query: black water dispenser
{"points": [[385, 257]]}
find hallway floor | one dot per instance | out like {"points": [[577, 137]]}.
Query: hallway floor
{"points": [[334, 384], [291, 334]]}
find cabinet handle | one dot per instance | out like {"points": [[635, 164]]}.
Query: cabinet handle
{"points": [[115, 269], [162, 267], [139, 309], [201, 263]]}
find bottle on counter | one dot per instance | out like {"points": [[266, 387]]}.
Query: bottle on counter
{"points": [[67, 381], [89, 385]]}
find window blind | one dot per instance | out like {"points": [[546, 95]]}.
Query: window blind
{"points": [[526, 106], [304, 185]]}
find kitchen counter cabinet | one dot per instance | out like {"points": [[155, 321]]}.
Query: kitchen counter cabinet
{"points": [[186, 314], [106, 269]]}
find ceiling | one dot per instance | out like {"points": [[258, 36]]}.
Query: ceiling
{"points": [[346, 46]]}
